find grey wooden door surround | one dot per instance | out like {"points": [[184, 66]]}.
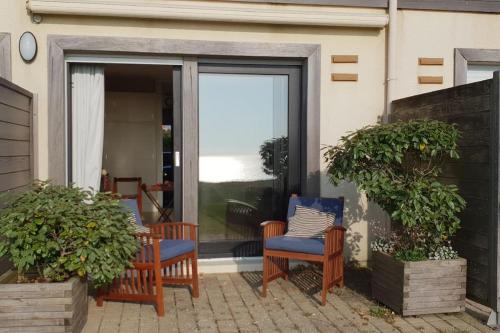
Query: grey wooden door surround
{"points": [[190, 50], [5, 56]]}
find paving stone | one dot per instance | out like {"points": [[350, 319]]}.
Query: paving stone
{"points": [[458, 323], [421, 325], [441, 325], [305, 315]]}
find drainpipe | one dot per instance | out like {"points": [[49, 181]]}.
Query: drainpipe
{"points": [[391, 58]]}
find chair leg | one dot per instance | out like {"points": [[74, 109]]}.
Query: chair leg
{"points": [[265, 272], [286, 269], [341, 271], [160, 306], [195, 290], [326, 281], [99, 301]]}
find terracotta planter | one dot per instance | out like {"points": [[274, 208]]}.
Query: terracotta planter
{"points": [[422, 287], [44, 307]]}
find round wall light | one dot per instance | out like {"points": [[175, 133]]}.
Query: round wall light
{"points": [[27, 46]]}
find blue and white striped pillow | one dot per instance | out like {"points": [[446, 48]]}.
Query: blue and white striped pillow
{"points": [[309, 223]]}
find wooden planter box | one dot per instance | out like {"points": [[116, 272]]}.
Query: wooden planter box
{"points": [[44, 307], [422, 287]]}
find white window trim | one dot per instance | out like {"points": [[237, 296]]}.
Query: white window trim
{"points": [[464, 57]]}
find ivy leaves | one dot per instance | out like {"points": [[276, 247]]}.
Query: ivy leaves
{"points": [[397, 165], [65, 231]]}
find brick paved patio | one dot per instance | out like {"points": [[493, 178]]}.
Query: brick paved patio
{"points": [[231, 303]]}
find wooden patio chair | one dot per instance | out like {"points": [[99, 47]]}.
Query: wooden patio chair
{"points": [[170, 258], [278, 249], [165, 212], [138, 192]]}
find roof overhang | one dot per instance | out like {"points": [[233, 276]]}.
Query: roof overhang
{"points": [[214, 11]]}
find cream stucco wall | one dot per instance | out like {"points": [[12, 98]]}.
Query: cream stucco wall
{"points": [[437, 34], [345, 106]]}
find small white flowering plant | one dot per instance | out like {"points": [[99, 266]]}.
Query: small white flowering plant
{"points": [[444, 252], [382, 245]]}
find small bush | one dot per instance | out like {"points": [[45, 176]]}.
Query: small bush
{"points": [[397, 165], [60, 231]]}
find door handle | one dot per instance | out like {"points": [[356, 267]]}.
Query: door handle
{"points": [[177, 159]]}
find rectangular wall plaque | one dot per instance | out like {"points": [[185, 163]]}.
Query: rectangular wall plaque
{"points": [[344, 59], [344, 77], [430, 79], [431, 61]]}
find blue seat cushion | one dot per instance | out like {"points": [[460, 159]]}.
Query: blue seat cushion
{"points": [[170, 248], [296, 244]]}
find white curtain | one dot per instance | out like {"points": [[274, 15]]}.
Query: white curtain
{"points": [[87, 118]]}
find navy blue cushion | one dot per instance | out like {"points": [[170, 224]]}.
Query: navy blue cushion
{"points": [[170, 248], [327, 205], [131, 205], [296, 244]]}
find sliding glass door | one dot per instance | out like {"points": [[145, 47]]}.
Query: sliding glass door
{"points": [[249, 153]]}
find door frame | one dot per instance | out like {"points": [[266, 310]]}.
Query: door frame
{"points": [[296, 114], [105, 59], [190, 50]]}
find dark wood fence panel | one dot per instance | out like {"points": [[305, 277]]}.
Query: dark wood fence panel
{"points": [[468, 106], [16, 141]]}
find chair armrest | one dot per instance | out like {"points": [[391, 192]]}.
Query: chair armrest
{"points": [[273, 228], [174, 230], [147, 254], [151, 235], [334, 240]]}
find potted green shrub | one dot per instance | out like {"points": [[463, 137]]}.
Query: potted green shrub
{"points": [[415, 269], [57, 237]]}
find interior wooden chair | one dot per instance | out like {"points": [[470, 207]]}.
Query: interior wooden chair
{"points": [[138, 192], [170, 258], [279, 249], [165, 212]]}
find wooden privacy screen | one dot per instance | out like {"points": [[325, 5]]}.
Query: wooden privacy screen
{"points": [[474, 108], [16, 144]]}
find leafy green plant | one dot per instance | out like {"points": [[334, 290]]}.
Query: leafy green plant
{"points": [[60, 231], [397, 165], [410, 255]]}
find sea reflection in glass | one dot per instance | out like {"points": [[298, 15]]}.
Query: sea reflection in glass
{"points": [[243, 161]]}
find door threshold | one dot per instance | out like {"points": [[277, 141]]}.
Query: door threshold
{"points": [[233, 265]]}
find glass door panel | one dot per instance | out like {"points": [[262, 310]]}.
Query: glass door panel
{"points": [[243, 161]]}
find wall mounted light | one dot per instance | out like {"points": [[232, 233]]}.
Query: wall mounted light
{"points": [[27, 46]]}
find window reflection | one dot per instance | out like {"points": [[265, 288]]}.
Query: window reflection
{"points": [[243, 164]]}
